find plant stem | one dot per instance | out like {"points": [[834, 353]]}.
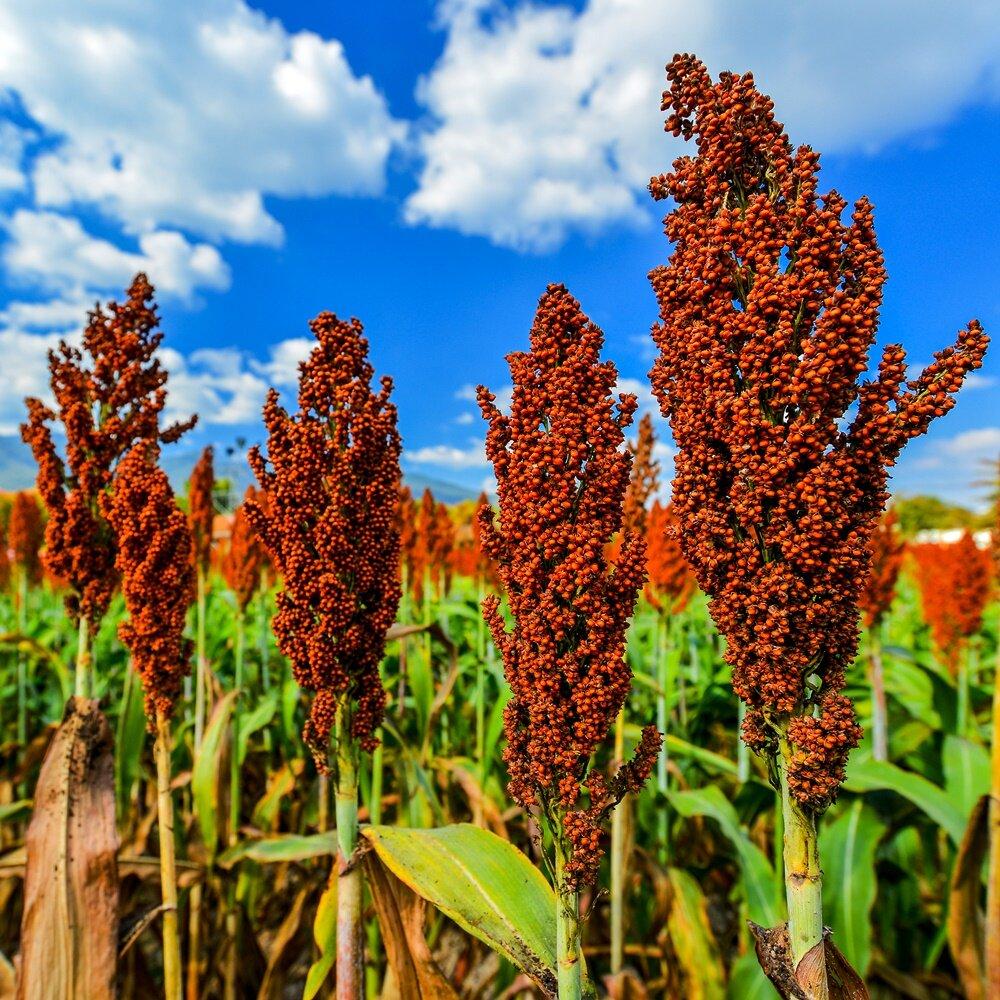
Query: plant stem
{"points": [[663, 759], [234, 756], [201, 666], [350, 947], [168, 874], [569, 954], [803, 875], [22, 663], [962, 711], [880, 712], [742, 750], [992, 922], [617, 859], [82, 677], [262, 644]]}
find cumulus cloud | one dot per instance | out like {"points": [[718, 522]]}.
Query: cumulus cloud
{"points": [[957, 468], [187, 114], [55, 253], [13, 140], [545, 120], [450, 457]]}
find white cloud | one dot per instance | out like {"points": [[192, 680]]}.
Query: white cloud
{"points": [[187, 114], [25, 373], [956, 468], [545, 120], [13, 141], [449, 457], [54, 252], [465, 420], [282, 366]]}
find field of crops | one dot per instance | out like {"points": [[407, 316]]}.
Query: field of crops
{"points": [[349, 742]]}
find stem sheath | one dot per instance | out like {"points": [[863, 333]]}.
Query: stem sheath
{"points": [[569, 953], [350, 946], [168, 865]]}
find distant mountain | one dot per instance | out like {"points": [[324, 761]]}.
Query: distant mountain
{"points": [[17, 471]]}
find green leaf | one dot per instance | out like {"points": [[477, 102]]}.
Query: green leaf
{"points": [[207, 771], [758, 875], [879, 775], [130, 734], [288, 847], [12, 810], [847, 847], [483, 883], [966, 772], [325, 936], [694, 943], [256, 719]]}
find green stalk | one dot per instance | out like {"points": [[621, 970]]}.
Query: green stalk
{"points": [[742, 750], [992, 921], [663, 759], [569, 953], [22, 663], [803, 875], [962, 712], [82, 659], [168, 864], [262, 644], [880, 711], [618, 860], [201, 667], [375, 817], [234, 756], [350, 946]]}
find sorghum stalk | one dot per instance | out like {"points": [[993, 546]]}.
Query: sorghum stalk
{"points": [[617, 859], [109, 395], [168, 866], [876, 680], [155, 559], [561, 480], [992, 919], [22, 661], [570, 963], [201, 664], [82, 672], [803, 875], [331, 480], [350, 950], [768, 311]]}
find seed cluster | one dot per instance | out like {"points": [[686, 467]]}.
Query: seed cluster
{"points": [[956, 583], [330, 526], [669, 580], [156, 561], [561, 476], [109, 395], [467, 557], [25, 534], [243, 561], [644, 478], [769, 307], [887, 549], [432, 543], [201, 508]]}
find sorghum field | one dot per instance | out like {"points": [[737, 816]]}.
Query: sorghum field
{"points": [[351, 742]]}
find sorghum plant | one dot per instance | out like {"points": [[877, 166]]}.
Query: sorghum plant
{"points": [[887, 549], [768, 309], [561, 477], [955, 584], [332, 482], [109, 395], [201, 516], [25, 532], [154, 557], [644, 477]]}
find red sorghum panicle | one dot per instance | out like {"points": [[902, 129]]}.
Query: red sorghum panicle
{"points": [[244, 557], [955, 587], [669, 580], [434, 536], [561, 476], [332, 483], [644, 478], [887, 548], [156, 562], [201, 508], [108, 395], [769, 307], [26, 534]]}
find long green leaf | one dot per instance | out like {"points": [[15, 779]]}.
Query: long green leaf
{"points": [[880, 775], [966, 772], [758, 875], [748, 982], [325, 936], [207, 772], [483, 883], [847, 847], [288, 847], [694, 943]]}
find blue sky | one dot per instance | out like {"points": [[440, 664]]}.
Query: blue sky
{"points": [[430, 167]]}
